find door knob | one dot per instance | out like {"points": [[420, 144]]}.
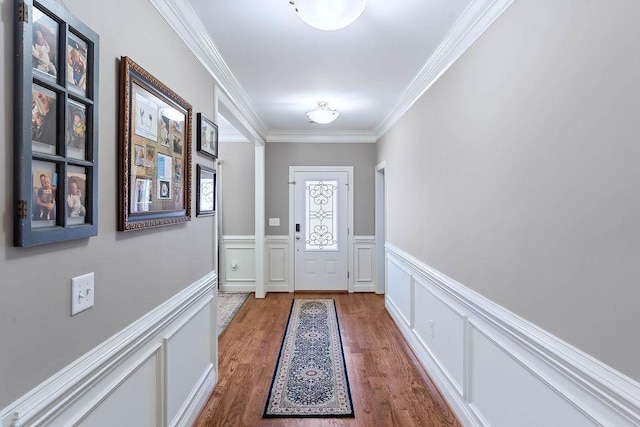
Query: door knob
{"points": [[297, 237]]}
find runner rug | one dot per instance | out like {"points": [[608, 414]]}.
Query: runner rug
{"points": [[228, 305], [310, 379]]}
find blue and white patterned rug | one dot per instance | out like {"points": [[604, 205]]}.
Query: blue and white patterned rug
{"points": [[310, 379]]}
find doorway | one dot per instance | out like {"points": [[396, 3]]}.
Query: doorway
{"points": [[321, 220]]}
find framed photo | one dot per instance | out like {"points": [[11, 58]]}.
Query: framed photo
{"points": [[207, 137], [56, 131], [155, 152], [206, 195]]}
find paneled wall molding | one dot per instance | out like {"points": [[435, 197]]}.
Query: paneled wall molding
{"points": [[237, 259], [496, 368], [364, 256], [277, 264], [279, 272], [109, 377]]}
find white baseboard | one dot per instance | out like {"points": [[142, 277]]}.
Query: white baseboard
{"points": [[494, 367], [127, 380]]}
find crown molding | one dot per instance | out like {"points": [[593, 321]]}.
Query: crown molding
{"points": [[474, 21], [322, 137], [186, 23]]}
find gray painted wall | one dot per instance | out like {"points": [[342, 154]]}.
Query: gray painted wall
{"points": [[135, 271], [278, 158], [238, 192], [517, 172]]}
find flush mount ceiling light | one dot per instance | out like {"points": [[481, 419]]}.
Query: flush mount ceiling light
{"points": [[329, 15], [322, 114]]}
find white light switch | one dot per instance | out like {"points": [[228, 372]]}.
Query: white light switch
{"points": [[274, 222], [82, 293]]}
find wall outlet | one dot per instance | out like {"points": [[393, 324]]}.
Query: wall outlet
{"points": [[274, 222], [82, 293], [432, 328]]}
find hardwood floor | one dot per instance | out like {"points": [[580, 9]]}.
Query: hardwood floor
{"points": [[388, 385]]}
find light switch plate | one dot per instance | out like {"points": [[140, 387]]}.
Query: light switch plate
{"points": [[274, 222], [82, 293]]}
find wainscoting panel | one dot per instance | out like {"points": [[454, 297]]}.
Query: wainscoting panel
{"points": [[238, 265], [278, 269], [440, 328], [156, 372], [278, 264], [364, 250], [187, 357], [399, 295], [495, 368]]}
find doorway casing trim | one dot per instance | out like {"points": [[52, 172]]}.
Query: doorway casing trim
{"points": [[292, 220]]}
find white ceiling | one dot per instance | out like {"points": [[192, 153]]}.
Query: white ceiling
{"points": [[273, 67]]}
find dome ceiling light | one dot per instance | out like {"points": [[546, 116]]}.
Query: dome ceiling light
{"points": [[329, 15], [322, 114]]}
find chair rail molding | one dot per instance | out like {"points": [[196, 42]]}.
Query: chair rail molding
{"points": [[129, 378], [493, 365]]}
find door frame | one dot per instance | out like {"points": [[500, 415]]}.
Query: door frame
{"points": [[292, 220]]}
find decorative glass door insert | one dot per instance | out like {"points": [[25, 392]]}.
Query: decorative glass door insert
{"points": [[321, 215]]}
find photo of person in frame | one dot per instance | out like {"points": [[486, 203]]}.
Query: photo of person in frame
{"points": [[77, 63], [43, 48], [43, 117], [151, 157], [76, 127], [45, 197], [178, 171], [75, 200], [139, 155], [177, 145], [164, 131], [142, 195]]}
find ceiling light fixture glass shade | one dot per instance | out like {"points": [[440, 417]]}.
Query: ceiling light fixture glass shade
{"points": [[322, 114], [329, 15]]}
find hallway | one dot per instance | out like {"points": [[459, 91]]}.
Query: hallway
{"points": [[388, 385]]}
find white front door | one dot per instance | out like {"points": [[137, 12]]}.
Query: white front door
{"points": [[320, 230]]}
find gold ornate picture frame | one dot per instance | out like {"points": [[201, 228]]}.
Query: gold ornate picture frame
{"points": [[155, 152]]}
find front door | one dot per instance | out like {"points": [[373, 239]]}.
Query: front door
{"points": [[321, 233]]}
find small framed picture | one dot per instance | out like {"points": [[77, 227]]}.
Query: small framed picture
{"points": [[206, 192], [77, 64], [76, 132], [45, 184], [75, 197], [44, 47], [207, 136], [43, 120]]}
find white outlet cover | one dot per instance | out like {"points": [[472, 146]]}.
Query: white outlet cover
{"points": [[274, 222], [82, 293]]}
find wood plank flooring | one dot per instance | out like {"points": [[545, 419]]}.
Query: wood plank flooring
{"points": [[388, 385]]}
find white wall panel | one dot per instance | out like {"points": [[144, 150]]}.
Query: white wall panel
{"points": [[495, 368], [441, 329], [238, 263], [165, 362], [365, 263], [503, 389], [399, 289], [188, 355], [119, 408]]}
